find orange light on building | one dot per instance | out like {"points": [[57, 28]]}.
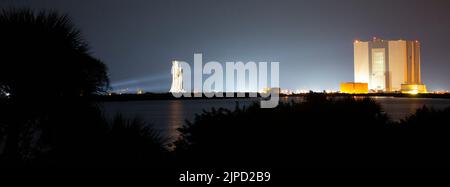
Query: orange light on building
{"points": [[354, 88], [413, 89]]}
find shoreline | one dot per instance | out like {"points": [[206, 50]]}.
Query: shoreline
{"points": [[169, 96]]}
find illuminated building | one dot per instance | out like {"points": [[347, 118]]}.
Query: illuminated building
{"points": [[177, 78], [269, 90], [386, 65], [413, 88], [354, 88], [265, 90], [286, 92]]}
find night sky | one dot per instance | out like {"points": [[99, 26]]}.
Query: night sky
{"points": [[312, 39]]}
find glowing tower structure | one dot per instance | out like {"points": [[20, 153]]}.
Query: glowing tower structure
{"points": [[177, 78], [388, 66]]}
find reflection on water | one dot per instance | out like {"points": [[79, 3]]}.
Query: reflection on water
{"points": [[169, 115], [399, 108], [176, 118]]}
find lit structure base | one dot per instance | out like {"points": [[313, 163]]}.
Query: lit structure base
{"points": [[354, 88], [413, 88]]}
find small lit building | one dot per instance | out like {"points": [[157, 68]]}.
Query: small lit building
{"points": [[413, 88], [276, 90], [354, 88]]}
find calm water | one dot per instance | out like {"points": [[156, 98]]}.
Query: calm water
{"points": [[168, 115]]}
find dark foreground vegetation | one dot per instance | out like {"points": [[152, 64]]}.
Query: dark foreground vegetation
{"points": [[321, 132], [48, 118]]}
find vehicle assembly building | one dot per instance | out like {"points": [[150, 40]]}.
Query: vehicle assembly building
{"points": [[388, 65]]}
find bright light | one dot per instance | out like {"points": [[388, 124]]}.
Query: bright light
{"points": [[286, 92], [413, 92], [7, 94]]}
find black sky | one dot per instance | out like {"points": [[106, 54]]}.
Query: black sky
{"points": [[312, 39]]}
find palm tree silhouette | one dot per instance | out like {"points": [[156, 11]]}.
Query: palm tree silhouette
{"points": [[44, 55], [45, 66]]}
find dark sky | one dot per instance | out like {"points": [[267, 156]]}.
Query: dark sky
{"points": [[312, 39]]}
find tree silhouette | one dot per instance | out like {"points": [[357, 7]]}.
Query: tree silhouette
{"points": [[45, 66], [43, 55]]}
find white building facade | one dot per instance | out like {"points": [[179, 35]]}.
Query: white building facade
{"points": [[177, 78], [388, 65]]}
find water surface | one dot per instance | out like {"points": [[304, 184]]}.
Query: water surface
{"points": [[168, 115]]}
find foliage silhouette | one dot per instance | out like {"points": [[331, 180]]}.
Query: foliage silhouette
{"points": [[44, 55], [320, 132], [45, 67], [135, 144], [93, 141], [47, 80]]}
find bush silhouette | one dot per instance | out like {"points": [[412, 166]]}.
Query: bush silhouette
{"points": [[320, 132], [296, 133], [90, 140], [133, 143]]}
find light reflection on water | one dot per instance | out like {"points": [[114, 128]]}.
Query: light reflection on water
{"points": [[176, 118], [169, 115], [399, 108]]}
